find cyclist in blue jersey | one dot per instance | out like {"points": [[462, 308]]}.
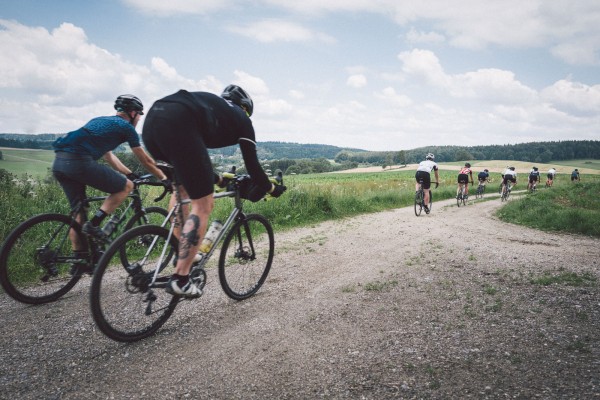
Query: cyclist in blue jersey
{"points": [[179, 129], [534, 177], [75, 165], [575, 175], [424, 173], [483, 176]]}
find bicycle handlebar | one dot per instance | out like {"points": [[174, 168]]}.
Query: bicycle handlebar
{"points": [[148, 179]]}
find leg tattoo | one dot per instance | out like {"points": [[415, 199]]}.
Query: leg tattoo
{"points": [[189, 236]]}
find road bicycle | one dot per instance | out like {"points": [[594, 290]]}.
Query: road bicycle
{"points": [[420, 199], [532, 187], [129, 302], [462, 195], [506, 191], [480, 190], [37, 261]]}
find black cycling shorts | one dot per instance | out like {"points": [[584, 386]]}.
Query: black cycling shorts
{"points": [[463, 178], [511, 178], [425, 177], [74, 172], [172, 133], [533, 178], [550, 176]]}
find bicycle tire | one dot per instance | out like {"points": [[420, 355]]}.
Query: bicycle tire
{"points": [[458, 199], [33, 259], [124, 305], [418, 202], [430, 200], [148, 216], [246, 256]]}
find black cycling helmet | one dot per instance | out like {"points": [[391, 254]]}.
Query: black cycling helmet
{"points": [[239, 96], [486, 170], [468, 165], [128, 102], [535, 168], [512, 168], [429, 156]]}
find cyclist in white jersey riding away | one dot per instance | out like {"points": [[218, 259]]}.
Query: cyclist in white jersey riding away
{"points": [[424, 173], [509, 175]]}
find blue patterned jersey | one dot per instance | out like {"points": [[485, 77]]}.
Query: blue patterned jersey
{"points": [[98, 136]]}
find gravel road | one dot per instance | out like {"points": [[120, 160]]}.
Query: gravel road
{"points": [[381, 306]]}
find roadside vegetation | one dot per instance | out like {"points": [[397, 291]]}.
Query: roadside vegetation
{"points": [[313, 198], [566, 207]]}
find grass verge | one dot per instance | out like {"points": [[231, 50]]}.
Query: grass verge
{"points": [[570, 207]]}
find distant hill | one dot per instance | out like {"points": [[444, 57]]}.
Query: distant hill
{"points": [[534, 151], [266, 150]]}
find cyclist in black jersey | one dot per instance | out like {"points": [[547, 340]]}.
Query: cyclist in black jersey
{"points": [[179, 129], [75, 165]]}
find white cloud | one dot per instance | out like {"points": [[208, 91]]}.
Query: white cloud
{"points": [[419, 37], [173, 7], [390, 96], [276, 30], [357, 81], [492, 85], [573, 97]]}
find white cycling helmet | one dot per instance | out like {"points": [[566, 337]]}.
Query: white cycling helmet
{"points": [[429, 156]]}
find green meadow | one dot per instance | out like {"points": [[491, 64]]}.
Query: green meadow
{"points": [[26, 161], [314, 198]]}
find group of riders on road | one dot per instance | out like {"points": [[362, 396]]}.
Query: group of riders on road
{"points": [[423, 175]]}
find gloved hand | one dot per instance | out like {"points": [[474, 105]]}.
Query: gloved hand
{"points": [[132, 176], [256, 193], [278, 191], [168, 184], [437, 184]]}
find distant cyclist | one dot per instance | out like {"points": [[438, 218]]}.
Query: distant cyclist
{"points": [[463, 178], [510, 175], [551, 175], [483, 177], [424, 173], [534, 177], [575, 175]]}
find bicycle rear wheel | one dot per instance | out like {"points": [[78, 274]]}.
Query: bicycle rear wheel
{"points": [[150, 216], [36, 259], [125, 304], [430, 200], [418, 202], [246, 256]]}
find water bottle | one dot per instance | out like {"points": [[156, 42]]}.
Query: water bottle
{"points": [[211, 236], [111, 225]]}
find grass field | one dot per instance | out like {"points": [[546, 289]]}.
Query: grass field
{"points": [[26, 161]]}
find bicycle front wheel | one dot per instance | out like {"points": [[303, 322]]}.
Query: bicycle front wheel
{"points": [[36, 259], [127, 305], [246, 256]]}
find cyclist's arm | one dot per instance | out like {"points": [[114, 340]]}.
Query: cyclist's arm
{"points": [[248, 148], [115, 163], [148, 162], [437, 176]]}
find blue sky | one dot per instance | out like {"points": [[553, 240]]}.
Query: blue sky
{"points": [[370, 74]]}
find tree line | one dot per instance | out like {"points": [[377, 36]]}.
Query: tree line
{"points": [[539, 152]]}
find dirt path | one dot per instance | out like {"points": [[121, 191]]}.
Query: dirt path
{"points": [[379, 306]]}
